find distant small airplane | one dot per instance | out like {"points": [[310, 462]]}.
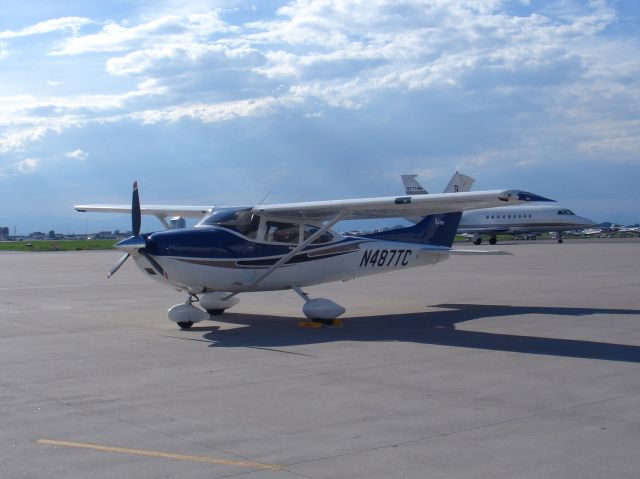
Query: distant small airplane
{"points": [[633, 230], [513, 220], [592, 231], [290, 246]]}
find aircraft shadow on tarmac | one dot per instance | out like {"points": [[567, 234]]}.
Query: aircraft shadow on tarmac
{"points": [[431, 327]]}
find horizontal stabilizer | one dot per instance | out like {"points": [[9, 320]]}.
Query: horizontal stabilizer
{"points": [[155, 210], [470, 252]]}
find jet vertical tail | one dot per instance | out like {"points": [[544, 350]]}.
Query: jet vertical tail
{"points": [[459, 183], [411, 185]]}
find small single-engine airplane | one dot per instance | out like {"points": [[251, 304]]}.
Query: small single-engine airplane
{"points": [[290, 246]]}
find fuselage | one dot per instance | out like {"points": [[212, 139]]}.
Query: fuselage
{"points": [[521, 219], [214, 258]]}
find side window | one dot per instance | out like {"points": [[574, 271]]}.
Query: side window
{"points": [[323, 238], [252, 228], [281, 232]]}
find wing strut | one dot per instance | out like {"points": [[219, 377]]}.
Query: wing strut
{"points": [[323, 229], [164, 221]]}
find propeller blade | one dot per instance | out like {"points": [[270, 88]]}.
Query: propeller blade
{"points": [[118, 264], [135, 210], [153, 262]]}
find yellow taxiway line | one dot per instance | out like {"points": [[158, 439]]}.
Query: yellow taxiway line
{"points": [[164, 455]]}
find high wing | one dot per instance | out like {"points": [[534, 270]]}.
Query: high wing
{"points": [[155, 210], [395, 206]]}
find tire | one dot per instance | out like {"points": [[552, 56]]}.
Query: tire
{"points": [[477, 241], [560, 240], [215, 312], [493, 240], [185, 324]]}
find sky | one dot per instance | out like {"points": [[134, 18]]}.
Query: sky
{"points": [[222, 102]]}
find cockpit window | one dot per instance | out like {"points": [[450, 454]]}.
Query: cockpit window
{"points": [[278, 232], [241, 220], [566, 212], [325, 237]]}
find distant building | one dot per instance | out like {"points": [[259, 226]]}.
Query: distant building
{"points": [[4, 232], [37, 235], [177, 223], [105, 235]]}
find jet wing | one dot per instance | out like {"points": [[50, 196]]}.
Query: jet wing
{"points": [[395, 206], [155, 210]]}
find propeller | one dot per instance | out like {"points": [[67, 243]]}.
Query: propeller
{"points": [[137, 242]]}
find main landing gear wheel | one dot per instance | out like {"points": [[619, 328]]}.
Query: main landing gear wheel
{"points": [[493, 240], [477, 241], [321, 311], [215, 312], [185, 324]]}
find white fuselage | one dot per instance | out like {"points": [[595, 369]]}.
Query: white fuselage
{"points": [[521, 219], [340, 261]]}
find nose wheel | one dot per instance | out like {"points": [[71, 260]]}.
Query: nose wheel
{"points": [[186, 314]]}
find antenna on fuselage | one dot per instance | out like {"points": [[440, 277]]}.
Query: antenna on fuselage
{"points": [[265, 197]]}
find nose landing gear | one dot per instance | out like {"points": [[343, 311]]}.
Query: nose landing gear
{"points": [[186, 314]]}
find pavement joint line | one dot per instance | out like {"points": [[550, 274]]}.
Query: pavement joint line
{"points": [[122, 421], [459, 431], [158, 454]]}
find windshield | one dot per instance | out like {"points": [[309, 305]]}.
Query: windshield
{"points": [[241, 220], [566, 212]]}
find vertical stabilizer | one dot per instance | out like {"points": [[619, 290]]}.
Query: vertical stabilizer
{"points": [[411, 185], [439, 230], [459, 183]]}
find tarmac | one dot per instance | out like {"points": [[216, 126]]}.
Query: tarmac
{"points": [[519, 366]]}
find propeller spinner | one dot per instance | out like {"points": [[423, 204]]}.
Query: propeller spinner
{"points": [[135, 244]]}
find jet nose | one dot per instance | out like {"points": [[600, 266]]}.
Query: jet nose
{"points": [[587, 222]]}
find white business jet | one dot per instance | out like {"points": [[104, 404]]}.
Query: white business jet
{"points": [[512, 220], [290, 246]]}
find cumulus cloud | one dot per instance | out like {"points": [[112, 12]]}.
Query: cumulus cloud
{"points": [[27, 165], [182, 56], [17, 139], [339, 55], [165, 29], [217, 112], [77, 155], [71, 24]]}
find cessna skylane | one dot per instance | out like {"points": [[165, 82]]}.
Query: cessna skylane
{"points": [[242, 249]]}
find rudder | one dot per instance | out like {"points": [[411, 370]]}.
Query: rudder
{"points": [[439, 230]]}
